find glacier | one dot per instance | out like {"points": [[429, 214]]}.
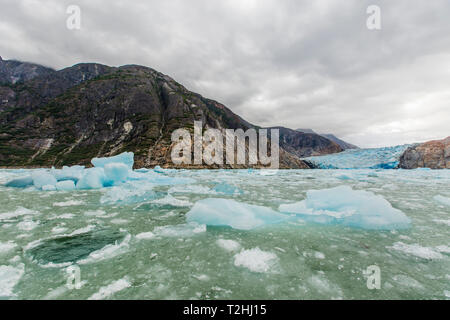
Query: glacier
{"points": [[372, 158]]}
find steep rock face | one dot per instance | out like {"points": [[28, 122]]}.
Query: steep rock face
{"points": [[306, 144], [344, 145], [432, 154], [12, 71], [91, 110]]}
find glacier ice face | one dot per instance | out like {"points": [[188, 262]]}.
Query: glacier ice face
{"points": [[22, 182], [238, 215], [344, 206], [116, 172], [374, 158], [126, 158], [65, 185], [93, 178], [42, 178]]}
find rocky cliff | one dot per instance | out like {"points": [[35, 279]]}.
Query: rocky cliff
{"points": [[68, 116], [432, 154]]}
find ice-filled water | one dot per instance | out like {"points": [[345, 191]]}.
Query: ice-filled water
{"points": [[224, 234], [373, 158]]}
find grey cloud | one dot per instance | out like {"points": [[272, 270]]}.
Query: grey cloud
{"points": [[291, 63]]}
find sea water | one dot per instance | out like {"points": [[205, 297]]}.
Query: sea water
{"points": [[225, 234]]}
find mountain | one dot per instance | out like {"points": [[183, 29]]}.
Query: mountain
{"points": [[90, 110], [12, 71], [432, 154], [344, 145]]}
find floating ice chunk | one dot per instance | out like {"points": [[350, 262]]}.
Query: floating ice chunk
{"points": [[126, 158], [68, 203], [145, 235], [20, 182], [109, 290], [93, 178], [41, 178], [417, 250], [442, 200], [225, 188], [49, 187], [73, 173], [20, 211], [170, 201], [256, 260], [130, 192], [228, 245], [180, 230], [345, 206], [238, 215], [9, 277], [27, 225], [65, 185], [116, 172], [158, 169], [7, 246]]}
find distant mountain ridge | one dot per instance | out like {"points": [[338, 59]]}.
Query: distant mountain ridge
{"points": [[344, 145], [69, 116]]}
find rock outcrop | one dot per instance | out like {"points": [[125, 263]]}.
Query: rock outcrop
{"points": [[91, 110], [432, 154]]}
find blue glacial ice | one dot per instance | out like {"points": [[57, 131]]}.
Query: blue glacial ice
{"points": [[126, 158], [374, 158], [238, 215], [107, 172], [344, 206]]}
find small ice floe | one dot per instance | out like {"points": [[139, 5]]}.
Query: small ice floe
{"points": [[68, 203], [238, 215], [169, 200], [442, 200], [180, 230], [442, 221], [345, 206], [417, 251], [228, 245], [257, 260], [145, 235], [109, 290], [9, 277], [6, 247], [20, 211]]}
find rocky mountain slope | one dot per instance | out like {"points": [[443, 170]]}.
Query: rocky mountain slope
{"points": [[432, 154], [69, 116], [344, 145]]}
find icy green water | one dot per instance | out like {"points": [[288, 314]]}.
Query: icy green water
{"points": [[145, 249]]}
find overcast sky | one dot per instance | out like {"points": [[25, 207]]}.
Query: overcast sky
{"points": [[299, 64]]}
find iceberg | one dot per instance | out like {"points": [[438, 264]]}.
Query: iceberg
{"points": [[20, 182], [41, 178], [65, 185], [93, 178], [116, 172], [238, 215], [373, 158], [126, 158], [344, 206]]}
